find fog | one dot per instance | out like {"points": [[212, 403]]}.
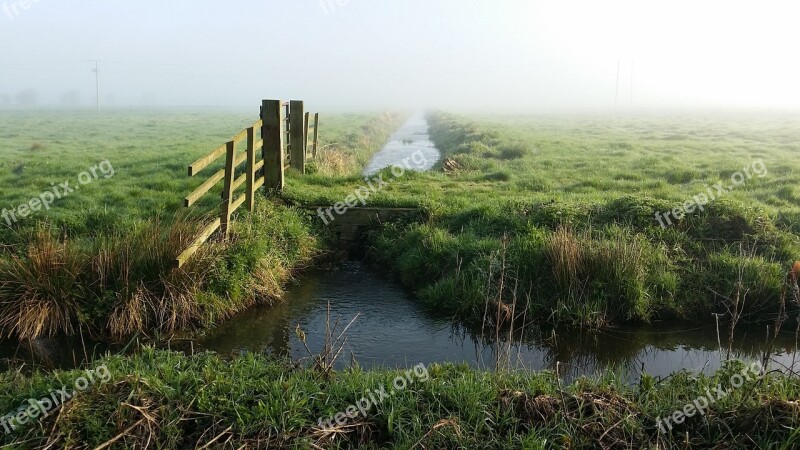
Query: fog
{"points": [[493, 56]]}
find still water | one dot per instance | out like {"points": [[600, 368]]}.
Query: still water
{"points": [[391, 330], [410, 138]]}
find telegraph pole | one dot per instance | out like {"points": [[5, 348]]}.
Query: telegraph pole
{"points": [[96, 71]]}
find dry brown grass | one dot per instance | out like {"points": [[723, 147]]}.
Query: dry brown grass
{"points": [[566, 251], [333, 160], [44, 292], [160, 296], [599, 414], [39, 290], [601, 278], [268, 279]]}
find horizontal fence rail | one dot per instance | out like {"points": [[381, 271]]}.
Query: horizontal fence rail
{"points": [[284, 128]]}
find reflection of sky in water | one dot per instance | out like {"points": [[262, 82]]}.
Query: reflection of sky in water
{"points": [[392, 330], [410, 138]]}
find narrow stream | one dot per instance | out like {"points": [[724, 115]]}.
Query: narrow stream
{"points": [[391, 330], [410, 138]]}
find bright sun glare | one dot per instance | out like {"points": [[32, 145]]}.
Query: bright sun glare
{"points": [[715, 52]]}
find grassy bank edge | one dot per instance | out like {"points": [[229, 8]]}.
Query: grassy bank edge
{"points": [[584, 264], [180, 401]]}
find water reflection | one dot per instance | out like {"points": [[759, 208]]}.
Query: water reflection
{"points": [[392, 330]]}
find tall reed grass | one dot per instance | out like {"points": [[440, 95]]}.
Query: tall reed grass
{"points": [[124, 281]]}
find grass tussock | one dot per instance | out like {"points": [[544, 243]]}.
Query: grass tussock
{"points": [[601, 279], [125, 281], [135, 270], [40, 289]]}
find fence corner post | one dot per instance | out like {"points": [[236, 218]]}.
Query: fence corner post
{"points": [[297, 148], [316, 135]]}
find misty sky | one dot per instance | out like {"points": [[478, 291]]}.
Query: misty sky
{"points": [[380, 54]]}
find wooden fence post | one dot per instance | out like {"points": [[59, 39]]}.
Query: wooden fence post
{"points": [[286, 134], [272, 150], [251, 166], [305, 133], [227, 193], [296, 146], [316, 134]]}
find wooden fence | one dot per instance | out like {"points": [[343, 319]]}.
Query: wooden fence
{"points": [[284, 143]]}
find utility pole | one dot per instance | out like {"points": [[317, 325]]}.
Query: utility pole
{"points": [[96, 71]]}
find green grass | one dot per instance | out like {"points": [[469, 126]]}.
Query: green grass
{"points": [[554, 215], [180, 401], [149, 152], [519, 192], [557, 212], [101, 258]]}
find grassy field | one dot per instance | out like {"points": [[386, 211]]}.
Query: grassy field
{"points": [[169, 400], [550, 218], [568, 219], [99, 259], [148, 151], [575, 219]]}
